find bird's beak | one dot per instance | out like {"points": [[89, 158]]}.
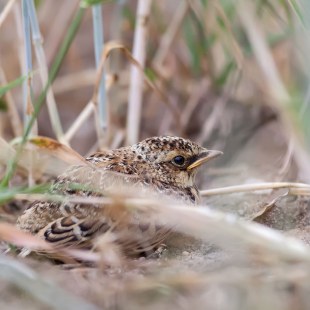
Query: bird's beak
{"points": [[203, 158]]}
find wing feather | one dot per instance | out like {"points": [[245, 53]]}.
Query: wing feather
{"points": [[71, 231]]}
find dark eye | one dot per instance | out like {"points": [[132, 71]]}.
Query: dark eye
{"points": [[178, 160]]}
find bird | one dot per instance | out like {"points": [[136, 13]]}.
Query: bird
{"points": [[165, 165]]}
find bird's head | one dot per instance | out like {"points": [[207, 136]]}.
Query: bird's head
{"points": [[171, 160], [169, 163]]}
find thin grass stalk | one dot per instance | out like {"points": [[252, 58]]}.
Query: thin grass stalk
{"points": [[84, 115], [88, 109], [304, 38], [27, 85], [6, 11], [227, 230], [296, 8], [136, 77], [98, 47], [70, 82], [37, 41], [223, 229], [117, 46], [56, 65], [253, 187], [18, 19], [279, 95], [37, 107], [116, 31]]}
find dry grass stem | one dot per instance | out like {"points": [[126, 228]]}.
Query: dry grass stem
{"points": [[80, 120], [117, 139], [5, 12], [136, 77], [253, 187], [109, 48], [222, 229], [226, 230], [268, 206], [101, 116], [213, 119], [29, 105], [299, 191], [19, 37], [43, 70], [288, 157]]}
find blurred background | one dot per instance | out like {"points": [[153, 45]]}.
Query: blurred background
{"points": [[231, 72], [227, 68], [233, 76]]}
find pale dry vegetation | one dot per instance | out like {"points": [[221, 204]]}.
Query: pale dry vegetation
{"points": [[231, 75]]}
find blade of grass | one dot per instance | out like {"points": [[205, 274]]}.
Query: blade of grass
{"points": [[88, 109], [297, 10], [37, 42], [9, 194], [113, 46], [53, 73], [19, 81], [136, 78], [98, 46], [6, 11], [252, 187], [224, 230], [84, 115], [27, 86]]}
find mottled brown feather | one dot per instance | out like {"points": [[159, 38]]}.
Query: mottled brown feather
{"points": [[145, 166]]}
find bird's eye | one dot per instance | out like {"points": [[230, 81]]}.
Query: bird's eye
{"points": [[178, 161]]}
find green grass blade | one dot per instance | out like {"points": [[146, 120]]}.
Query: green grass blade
{"points": [[7, 194], [11, 85], [39, 102]]}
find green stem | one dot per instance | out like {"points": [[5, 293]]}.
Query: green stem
{"points": [[39, 102]]}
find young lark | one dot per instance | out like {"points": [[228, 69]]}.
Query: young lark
{"points": [[166, 165]]}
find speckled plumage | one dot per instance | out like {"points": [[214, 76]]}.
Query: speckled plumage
{"points": [[150, 164]]}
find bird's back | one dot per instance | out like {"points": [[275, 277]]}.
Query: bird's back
{"points": [[162, 168], [77, 224]]}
